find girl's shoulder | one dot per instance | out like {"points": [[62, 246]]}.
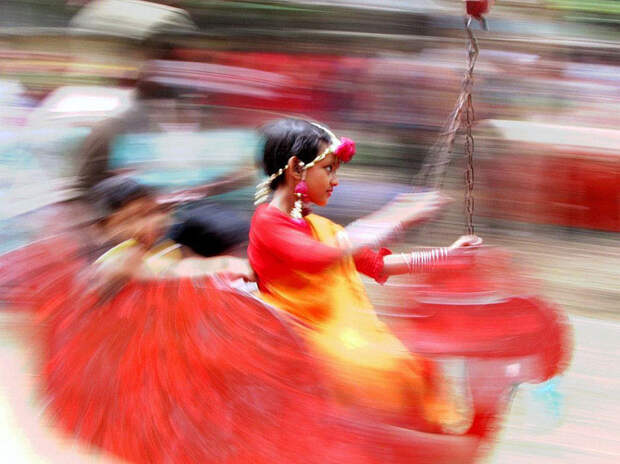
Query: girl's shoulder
{"points": [[264, 214], [270, 215], [267, 216], [267, 221], [261, 211]]}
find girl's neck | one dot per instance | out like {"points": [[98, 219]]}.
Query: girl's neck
{"points": [[283, 199]]}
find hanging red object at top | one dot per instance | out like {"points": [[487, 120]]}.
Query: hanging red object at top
{"points": [[478, 8]]}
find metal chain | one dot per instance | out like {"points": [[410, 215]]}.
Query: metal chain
{"points": [[469, 170], [468, 116], [433, 171]]}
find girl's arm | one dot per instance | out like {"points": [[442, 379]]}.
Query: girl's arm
{"points": [[424, 260], [277, 237], [235, 268], [406, 210], [296, 249], [109, 275]]}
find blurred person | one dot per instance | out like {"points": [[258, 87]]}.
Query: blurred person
{"points": [[95, 152], [152, 105], [308, 266], [134, 224]]}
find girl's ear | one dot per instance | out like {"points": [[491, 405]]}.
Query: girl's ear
{"points": [[295, 167]]}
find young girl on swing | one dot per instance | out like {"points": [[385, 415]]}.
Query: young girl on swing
{"points": [[308, 267]]}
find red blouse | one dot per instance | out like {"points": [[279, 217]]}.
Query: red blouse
{"points": [[279, 244]]}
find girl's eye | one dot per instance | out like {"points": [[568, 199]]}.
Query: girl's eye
{"points": [[329, 168]]}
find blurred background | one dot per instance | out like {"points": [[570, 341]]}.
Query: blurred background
{"points": [[384, 73]]}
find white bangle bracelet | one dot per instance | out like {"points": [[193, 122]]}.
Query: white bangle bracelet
{"points": [[422, 261]]}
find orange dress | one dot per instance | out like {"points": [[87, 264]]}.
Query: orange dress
{"points": [[302, 271]]}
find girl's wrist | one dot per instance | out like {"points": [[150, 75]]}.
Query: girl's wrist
{"points": [[426, 260]]}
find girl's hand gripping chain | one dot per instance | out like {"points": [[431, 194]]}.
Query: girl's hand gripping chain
{"points": [[466, 243]]}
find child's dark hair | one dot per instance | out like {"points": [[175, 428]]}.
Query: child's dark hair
{"points": [[111, 194], [290, 137], [209, 230]]}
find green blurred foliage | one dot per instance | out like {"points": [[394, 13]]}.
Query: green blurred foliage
{"points": [[607, 7]]}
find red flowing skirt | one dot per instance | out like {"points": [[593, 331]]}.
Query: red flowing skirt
{"points": [[42, 275], [189, 371]]}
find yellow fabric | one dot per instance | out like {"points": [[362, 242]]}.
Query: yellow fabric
{"points": [[117, 251], [156, 260], [367, 364]]}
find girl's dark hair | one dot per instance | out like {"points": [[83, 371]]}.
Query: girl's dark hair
{"points": [[284, 138], [111, 194], [209, 230]]}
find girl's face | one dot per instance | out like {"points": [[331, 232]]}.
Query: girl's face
{"points": [[142, 219], [321, 178]]}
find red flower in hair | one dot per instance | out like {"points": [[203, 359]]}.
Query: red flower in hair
{"points": [[345, 150]]}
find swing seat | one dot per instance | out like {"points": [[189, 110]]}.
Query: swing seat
{"points": [[482, 309], [484, 312]]}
